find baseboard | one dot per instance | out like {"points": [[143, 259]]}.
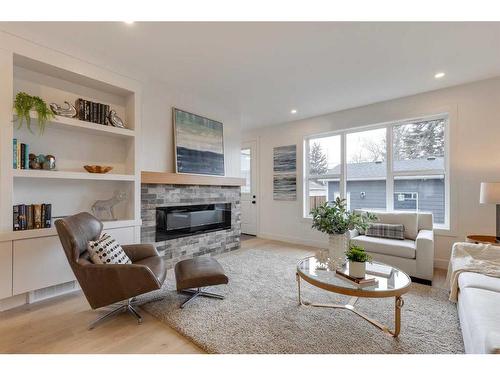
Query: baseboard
{"points": [[14, 301], [441, 263], [293, 240]]}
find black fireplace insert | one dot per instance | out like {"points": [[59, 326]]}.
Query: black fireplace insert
{"points": [[182, 221]]}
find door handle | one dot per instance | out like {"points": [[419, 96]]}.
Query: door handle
{"points": [[253, 202], [253, 196]]}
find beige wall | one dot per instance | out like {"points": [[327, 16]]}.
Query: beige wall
{"points": [[474, 157]]}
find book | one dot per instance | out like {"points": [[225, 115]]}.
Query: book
{"points": [[23, 151], [80, 108], [106, 114], [26, 156], [94, 112], [37, 216], [18, 152], [14, 154], [15, 218], [356, 281], [22, 217], [29, 216], [47, 218], [379, 269], [87, 110], [42, 216]]}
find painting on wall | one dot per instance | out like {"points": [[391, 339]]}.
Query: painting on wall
{"points": [[199, 144], [285, 173]]}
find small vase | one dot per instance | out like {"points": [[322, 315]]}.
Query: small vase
{"points": [[357, 269], [338, 245]]}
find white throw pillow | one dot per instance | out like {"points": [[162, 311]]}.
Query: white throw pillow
{"points": [[107, 251]]}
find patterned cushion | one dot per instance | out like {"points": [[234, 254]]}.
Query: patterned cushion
{"points": [[393, 231], [107, 251]]}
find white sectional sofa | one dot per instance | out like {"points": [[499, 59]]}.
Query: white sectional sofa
{"points": [[414, 255], [479, 312]]}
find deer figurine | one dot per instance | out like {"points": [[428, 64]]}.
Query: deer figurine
{"points": [[103, 209]]}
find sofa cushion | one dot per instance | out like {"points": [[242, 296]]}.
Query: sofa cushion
{"points": [[477, 280], [399, 248], [394, 231], [408, 219], [479, 310]]}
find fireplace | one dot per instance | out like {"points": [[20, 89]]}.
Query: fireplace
{"points": [[181, 221]]}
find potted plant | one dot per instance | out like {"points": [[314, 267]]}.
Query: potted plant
{"points": [[24, 103], [334, 219], [357, 257]]}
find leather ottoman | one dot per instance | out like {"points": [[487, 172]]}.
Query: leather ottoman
{"points": [[193, 274]]}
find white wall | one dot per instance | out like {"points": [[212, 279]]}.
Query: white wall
{"points": [[474, 157], [157, 131]]}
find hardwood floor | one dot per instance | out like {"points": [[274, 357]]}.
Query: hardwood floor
{"points": [[59, 325]]}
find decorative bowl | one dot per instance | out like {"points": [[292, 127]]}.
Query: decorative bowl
{"points": [[97, 168]]}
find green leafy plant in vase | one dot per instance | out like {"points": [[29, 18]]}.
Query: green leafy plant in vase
{"points": [[24, 103], [357, 257], [334, 219]]}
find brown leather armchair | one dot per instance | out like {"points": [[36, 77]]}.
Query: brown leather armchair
{"points": [[106, 284]]}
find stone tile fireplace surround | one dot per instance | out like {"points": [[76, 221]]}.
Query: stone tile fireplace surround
{"points": [[174, 250]]}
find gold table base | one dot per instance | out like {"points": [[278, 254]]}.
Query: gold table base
{"points": [[398, 304]]}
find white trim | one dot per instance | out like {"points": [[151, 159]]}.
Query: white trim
{"points": [[441, 263]]}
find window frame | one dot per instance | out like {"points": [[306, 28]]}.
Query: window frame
{"points": [[389, 160]]}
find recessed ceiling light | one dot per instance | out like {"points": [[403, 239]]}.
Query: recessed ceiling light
{"points": [[129, 22], [439, 75], [293, 111]]}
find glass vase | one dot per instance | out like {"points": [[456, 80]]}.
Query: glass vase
{"points": [[338, 245]]}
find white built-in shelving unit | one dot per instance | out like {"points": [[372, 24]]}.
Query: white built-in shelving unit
{"points": [[33, 260]]}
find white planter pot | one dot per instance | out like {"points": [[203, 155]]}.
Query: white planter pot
{"points": [[338, 245], [357, 269]]}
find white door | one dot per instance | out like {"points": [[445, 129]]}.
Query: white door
{"points": [[249, 191]]}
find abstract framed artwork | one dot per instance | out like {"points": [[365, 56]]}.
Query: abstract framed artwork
{"points": [[199, 144], [285, 173]]}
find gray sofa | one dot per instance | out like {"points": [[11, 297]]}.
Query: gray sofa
{"points": [[413, 255]]}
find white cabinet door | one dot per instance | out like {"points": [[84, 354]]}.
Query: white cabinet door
{"points": [[39, 263], [5, 269]]}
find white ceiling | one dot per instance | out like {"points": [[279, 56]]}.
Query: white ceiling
{"points": [[263, 70]]}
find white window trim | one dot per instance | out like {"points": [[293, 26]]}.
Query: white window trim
{"points": [[390, 173]]}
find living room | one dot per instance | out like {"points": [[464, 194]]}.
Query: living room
{"points": [[258, 187]]}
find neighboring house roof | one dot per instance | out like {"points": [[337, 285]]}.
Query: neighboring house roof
{"points": [[377, 170]]}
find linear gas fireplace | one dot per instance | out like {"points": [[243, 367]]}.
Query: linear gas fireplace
{"points": [[181, 221]]}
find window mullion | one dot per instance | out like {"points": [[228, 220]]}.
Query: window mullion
{"points": [[343, 169], [389, 183]]}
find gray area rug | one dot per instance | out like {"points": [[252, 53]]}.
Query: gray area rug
{"points": [[261, 315]]}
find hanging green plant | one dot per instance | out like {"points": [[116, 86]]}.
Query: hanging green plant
{"points": [[24, 103]]}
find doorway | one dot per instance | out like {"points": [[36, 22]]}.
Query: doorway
{"points": [[249, 193]]}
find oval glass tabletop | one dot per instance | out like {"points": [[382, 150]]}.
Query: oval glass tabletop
{"points": [[319, 271]]}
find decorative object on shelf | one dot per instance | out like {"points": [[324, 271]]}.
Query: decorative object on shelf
{"points": [[92, 112], [97, 168], [104, 209], [47, 162], [115, 120], [199, 144], [357, 257], [334, 219], [285, 173], [24, 103], [68, 111]]}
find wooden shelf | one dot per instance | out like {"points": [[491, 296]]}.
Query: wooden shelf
{"points": [[70, 175], [84, 126], [47, 232], [189, 179]]}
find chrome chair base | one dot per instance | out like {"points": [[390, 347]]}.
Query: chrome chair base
{"points": [[197, 293], [129, 306]]}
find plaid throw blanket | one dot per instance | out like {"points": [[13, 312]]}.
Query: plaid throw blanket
{"points": [[393, 231]]}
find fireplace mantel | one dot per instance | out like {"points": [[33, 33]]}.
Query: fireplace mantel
{"points": [[189, 179]]}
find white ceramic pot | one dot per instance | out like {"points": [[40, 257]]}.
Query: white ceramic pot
{"points": [[357, 269]]}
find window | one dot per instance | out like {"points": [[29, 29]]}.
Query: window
{"points": [[410, 175], [245, 158]]}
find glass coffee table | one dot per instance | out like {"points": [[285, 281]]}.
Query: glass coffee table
{"points": [[391, 282]]}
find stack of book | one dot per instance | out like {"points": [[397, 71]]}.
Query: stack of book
{"points": [[359, 282], [20, 155], [32, 216], [92, 112]]}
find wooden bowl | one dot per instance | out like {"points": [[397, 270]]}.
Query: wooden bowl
{"points": [[97, 168]]}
